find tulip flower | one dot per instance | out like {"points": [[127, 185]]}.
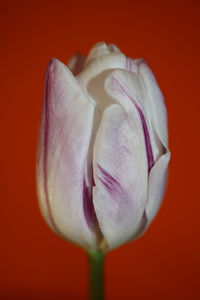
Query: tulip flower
{"points": [[103, 148]]}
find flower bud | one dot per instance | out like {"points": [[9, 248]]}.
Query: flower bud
{"points": [[103, 148]]}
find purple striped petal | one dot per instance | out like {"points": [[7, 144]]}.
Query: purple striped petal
{"points": [[125, 86], [155, 105], [109, 182], [65, 133], [124, 91], [119, 90], [156, 113], [133, 87], [120, 170]]}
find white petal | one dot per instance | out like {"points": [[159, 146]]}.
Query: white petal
{"points": [[62, 155], [120, 174], [113, 48], [101, 49], [97, 50]]}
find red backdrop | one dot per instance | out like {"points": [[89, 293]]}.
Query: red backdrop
{"points": [[35, 263]]}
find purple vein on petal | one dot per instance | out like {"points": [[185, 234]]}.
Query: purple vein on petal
{"points": [[48, 79], [149, 151], [110, 183], [88, 207]]}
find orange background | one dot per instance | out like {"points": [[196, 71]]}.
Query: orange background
{"points": [[35, 263]]}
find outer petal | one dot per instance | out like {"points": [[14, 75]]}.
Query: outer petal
{"points": [[157, 184], [158, 115], [155, 106], [127, 88], [62, 155], [152, 101], [132, 87], [120, 174]]}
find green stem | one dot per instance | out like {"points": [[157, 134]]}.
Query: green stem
{"points": [[96, 260]]}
